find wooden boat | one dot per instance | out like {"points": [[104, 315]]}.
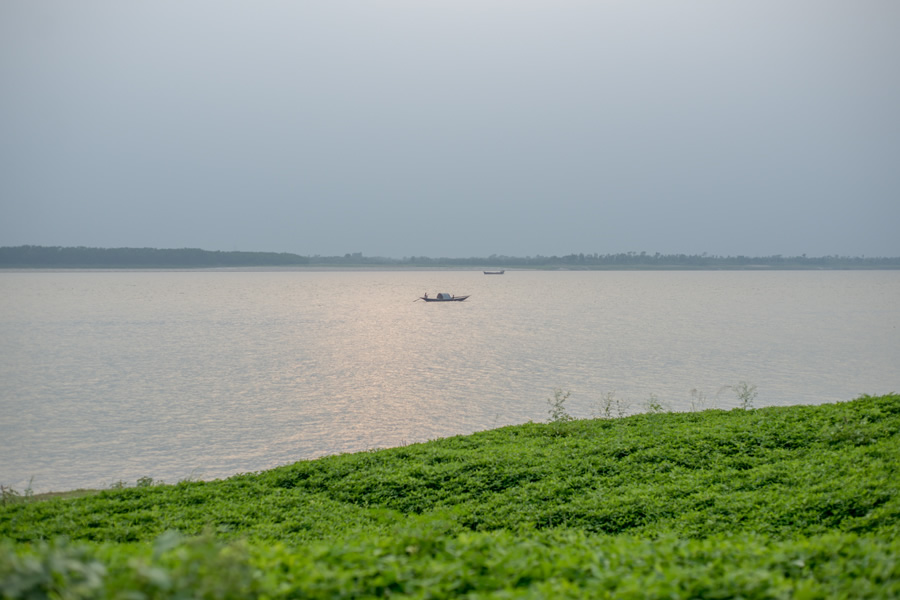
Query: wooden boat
{"points": [[494, 272], [442, 297]]}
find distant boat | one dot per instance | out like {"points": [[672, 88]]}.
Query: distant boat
{"points": [[494, 272], [442, 297]]}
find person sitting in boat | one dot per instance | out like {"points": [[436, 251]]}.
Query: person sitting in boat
{"points": [[426, 295]]}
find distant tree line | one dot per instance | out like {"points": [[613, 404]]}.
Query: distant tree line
{"points": [[130, 258], [639, 260]]}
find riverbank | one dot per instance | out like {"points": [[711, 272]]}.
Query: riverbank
{"points": [[760, 503], [55, 257]]}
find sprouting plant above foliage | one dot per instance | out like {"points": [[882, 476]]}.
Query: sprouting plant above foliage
{"points": [[557, 410]]}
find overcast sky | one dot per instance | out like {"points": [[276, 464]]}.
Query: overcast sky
{"points": [[452, 128]]}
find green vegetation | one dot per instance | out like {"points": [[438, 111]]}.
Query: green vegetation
{"points": [[33, 257], [798, 502]]}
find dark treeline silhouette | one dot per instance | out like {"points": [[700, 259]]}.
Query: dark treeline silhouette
{"points": [[643, 260], [128, 258]]}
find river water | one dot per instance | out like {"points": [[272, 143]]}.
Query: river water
{"points": [[109, 376]]}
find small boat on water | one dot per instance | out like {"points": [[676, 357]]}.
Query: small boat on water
{"points": [[442, 297], [494, 272]]}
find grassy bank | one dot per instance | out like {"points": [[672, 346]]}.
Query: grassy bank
{"points": [[776, 502]]}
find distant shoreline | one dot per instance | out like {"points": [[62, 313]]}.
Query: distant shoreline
{"points": [[44, 258], [401, 268]]}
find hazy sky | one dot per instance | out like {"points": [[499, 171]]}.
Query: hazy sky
{"points": [[452, 127]]}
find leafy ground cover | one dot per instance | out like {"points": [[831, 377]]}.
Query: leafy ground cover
{"points": [[797, 502]]}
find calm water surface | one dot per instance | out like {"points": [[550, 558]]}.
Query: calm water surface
{"points": [[108, 376]]}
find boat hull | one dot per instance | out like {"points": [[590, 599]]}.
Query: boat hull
{"points": [[453, 299]]}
